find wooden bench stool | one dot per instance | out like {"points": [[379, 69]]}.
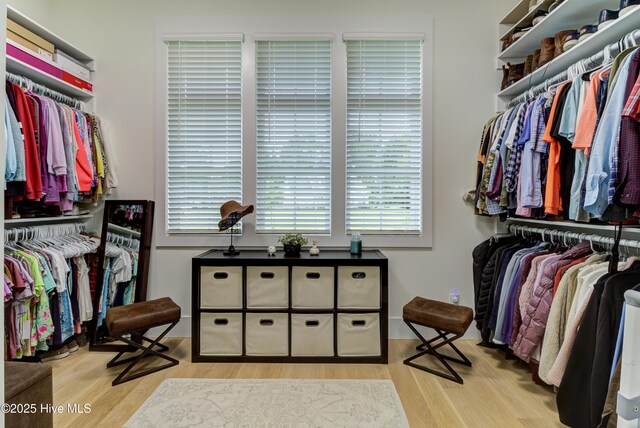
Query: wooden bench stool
{"points": [[446, 319], [135, 320]]}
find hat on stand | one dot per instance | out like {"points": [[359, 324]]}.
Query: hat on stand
{"points": [[231, 212]]}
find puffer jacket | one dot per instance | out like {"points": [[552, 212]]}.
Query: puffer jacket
{"points": [[534, 318], [485, 280], [480, 255], [498, 272]]}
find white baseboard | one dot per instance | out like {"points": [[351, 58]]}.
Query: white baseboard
{"points": [[397, 329]]}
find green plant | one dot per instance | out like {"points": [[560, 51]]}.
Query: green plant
{"points": [[293, 239]]}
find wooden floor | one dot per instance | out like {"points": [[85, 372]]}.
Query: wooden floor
{"points": [[496, 393]]}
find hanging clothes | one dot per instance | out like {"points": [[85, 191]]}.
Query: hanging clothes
{"points": [[56, 154], [44, 282], [571, 152]]}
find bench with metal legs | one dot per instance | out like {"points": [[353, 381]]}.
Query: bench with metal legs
{"points": [[450, 322], [134, 320]]}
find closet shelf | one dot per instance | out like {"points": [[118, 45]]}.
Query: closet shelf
{"points": [[518, 11], [571, 14], [18, 222], [527, 18], [592, 45], [123, 230], [18, 67], [564, 224], [43, 32]]}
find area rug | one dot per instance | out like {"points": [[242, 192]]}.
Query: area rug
{"points": [[272, 403]]}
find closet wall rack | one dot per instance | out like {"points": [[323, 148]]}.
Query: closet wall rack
{"points": [[590, 46], [19, 66], [554, 235], [589, 63], [569, 14]]}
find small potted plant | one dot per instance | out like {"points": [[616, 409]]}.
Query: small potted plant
{"points": [[293, 243]]}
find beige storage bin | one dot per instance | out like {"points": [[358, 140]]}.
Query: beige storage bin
{"points": [[312, 335], [312, 287], [358, 287], [267, 287], [221, 334], [358, 335], [267, 334], [221, 287]]}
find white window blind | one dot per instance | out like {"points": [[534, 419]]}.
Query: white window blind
{"points": [[384, 136], [204, 132], [293, 191]]}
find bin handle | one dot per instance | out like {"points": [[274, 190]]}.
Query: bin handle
{"points": [[220, 275], [358, 275], [312, 323], [266, 322], [267, 275], [220, 321], [313, 275], [358, 323]]}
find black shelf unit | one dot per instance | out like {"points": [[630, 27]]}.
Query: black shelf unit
{"points": [[335, 259]]}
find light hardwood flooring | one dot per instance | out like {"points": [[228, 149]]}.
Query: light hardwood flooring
{"points": [[496, 392]]}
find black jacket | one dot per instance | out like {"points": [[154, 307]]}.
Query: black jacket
{"points": [[583, 390]]}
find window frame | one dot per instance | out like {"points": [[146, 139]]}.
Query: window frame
{"points": [[251, 28]]}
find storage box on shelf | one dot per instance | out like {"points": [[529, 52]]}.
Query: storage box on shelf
{"points": [[30, 52], [326, 309]]}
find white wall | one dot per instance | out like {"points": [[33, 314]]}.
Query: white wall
{"points": [[38, 10], [120, 35]]}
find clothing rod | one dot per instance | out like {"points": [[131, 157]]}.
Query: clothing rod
{"points": [[40, 89], [566, 237], [589, 63], [42, 232]]}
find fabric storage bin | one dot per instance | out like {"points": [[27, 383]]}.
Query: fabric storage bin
{"points": [[268, 287], [358, 335], [312, 287], [267, 334], [221, 287], [358, 287], [221, 334], [312, 335]]}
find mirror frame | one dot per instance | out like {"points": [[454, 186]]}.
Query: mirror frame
{"points": [[143, 265]]}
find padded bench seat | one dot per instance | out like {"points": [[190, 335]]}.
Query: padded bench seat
{"points": [[432, 313], [135, 319], [141, 316], [447, 320]]}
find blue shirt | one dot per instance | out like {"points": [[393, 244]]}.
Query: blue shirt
{"points": [[597, 184], [531, 182]]}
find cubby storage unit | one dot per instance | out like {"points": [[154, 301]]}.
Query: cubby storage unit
{"points": [[317, 309]]}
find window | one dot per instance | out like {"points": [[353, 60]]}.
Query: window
{"points": [[325, 132], [204, 132], [293, 136], [384, 136]]}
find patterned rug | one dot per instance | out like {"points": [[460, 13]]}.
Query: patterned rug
{"points": [[272, 403]]}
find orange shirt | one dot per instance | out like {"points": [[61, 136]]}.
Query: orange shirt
{"points": [[83, 167], [552, 200], [586, 124]]}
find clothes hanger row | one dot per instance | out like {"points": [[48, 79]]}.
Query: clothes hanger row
{"points": [[555, 236], [592, 63], [65, 238], [123, 241], [43, 90], [47, 231]]}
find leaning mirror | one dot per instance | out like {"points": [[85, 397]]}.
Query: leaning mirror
{"points": [[123, 263]]}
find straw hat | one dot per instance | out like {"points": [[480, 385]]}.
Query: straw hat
{"points": [[231, 212]]}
